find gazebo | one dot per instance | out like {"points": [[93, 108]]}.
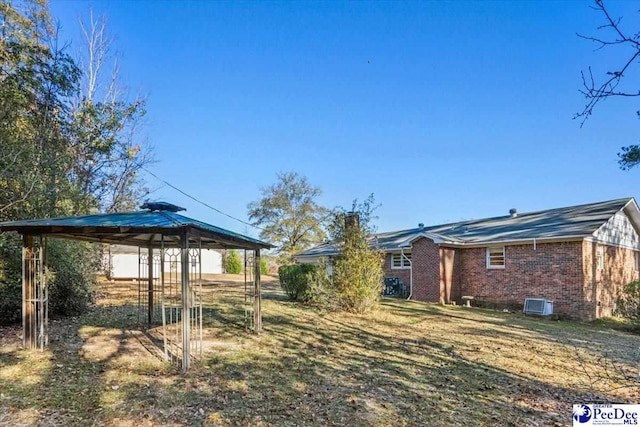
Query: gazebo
{"points": [[170, 269]]}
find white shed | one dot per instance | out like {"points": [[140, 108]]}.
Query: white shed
{"points": [[122, 262]]}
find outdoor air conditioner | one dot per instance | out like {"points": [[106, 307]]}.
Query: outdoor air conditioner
{"points": [[540, 306]]}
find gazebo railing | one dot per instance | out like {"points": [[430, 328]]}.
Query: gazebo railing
{"points": [[181, 327]]}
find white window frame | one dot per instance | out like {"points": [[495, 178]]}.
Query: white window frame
{"points": [[600, 257], [404, 263], [489, 257]]}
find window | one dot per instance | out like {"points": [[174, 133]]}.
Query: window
{"points": [[495, 257], [636, 259], [600, 257], [400, 261]]}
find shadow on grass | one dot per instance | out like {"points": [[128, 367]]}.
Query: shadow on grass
{"points": [[305, 369], [575, 336]]}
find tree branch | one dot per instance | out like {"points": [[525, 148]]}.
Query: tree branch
{"points": [[596, 92]]}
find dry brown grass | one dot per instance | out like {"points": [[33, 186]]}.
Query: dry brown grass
{"points": [[407, 363]]}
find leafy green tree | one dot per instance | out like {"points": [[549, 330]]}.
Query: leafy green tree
{"points": [[68, 133], [233, 264], [357, 272], [611, 82], [289, 215], [36, 82], [63, 150]]}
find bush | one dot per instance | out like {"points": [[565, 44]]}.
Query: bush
{"points": [[234, 263], [358, 278], [71, 275], [10, 278], [358, 275], [264, 268], [321, 292], [308, 283], [72, 278], [295, 279], [628, 304]]}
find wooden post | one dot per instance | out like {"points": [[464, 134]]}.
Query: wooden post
{"points": [[28, 294], [257, 306], [186, 306], [150, 287]]}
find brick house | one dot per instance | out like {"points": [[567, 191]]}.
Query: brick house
{"points": [[579, 257]]}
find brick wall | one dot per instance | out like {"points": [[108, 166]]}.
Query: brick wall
{"points": [[565, 273], [425, 256], [553, 271], [602, 286]]}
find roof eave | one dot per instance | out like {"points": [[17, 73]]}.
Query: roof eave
{"points": [[527, 240], [437, 239], [633, 212]]}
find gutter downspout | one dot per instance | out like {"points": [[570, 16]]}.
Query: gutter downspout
{"points": [[410, 273]]}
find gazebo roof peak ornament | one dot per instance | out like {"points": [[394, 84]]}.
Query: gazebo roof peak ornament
{"points": [[161, 206]]}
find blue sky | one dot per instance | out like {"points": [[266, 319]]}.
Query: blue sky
{"points": [[444, 110]]}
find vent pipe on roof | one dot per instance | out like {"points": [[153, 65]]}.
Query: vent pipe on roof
{"points": [[421, 225], [513, 212]]}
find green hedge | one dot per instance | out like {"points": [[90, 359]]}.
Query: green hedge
{"points": [[296, 280]]}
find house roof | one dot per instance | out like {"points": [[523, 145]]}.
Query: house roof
{"points": [[571, 222], [142, 228]]}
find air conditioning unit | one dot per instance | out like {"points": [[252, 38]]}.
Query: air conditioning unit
{"points": [[539, 306]]}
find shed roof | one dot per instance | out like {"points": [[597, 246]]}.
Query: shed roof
{"points": [[552, 224], [142, 228]]}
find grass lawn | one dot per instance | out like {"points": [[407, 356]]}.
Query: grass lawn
{"points": [[407, 363]]}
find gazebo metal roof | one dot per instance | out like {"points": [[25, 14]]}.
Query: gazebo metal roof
{"points": [[142, 228]]}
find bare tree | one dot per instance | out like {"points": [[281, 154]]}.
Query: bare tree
{"points": [[600, 87], [108, 122]]}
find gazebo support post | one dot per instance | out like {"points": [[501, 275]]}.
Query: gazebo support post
{"points": [[28, 294], [186, 312], [150, 287], [257, 307], [44, 326]]}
